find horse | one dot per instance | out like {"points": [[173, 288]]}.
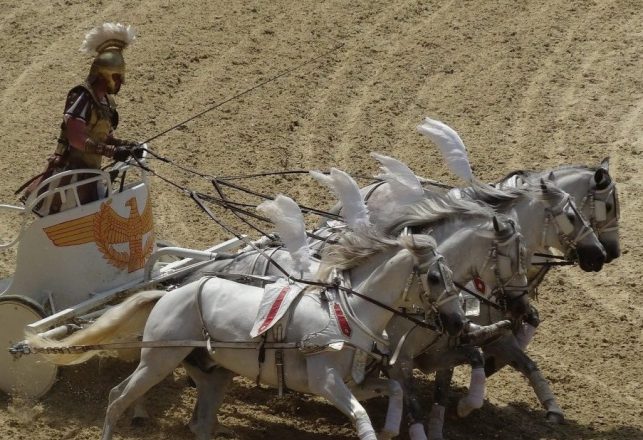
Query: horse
{"points": [[378, 267]]}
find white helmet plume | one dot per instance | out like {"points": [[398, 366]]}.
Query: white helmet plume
{"points": [[115, 34], [450, 145], [346, 190], [289, 222]]}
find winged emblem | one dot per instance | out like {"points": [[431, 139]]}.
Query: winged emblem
{"points": [[107, 228]]}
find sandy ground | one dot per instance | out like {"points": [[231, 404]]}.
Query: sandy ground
{"points": [[527, 84]]}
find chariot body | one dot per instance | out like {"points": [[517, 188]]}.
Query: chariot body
{"points": [[74, 265]]}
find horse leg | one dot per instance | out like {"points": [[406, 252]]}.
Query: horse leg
{"points": [[507, 351], [402, 371], [140, 412], [374, 387], [440, 399], [444, 362], [211, 388], [475, 396], [155, 364], [324, 380], [520, 361]]}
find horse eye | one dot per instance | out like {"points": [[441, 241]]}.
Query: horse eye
{"points": [[571, 217], [608, 207], [433, 277]]}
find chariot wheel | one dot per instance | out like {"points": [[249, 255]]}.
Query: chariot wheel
{"points": [[29, 376]]}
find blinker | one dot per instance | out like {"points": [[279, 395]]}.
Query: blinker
{"points": [[564, 224], [600, 211]]}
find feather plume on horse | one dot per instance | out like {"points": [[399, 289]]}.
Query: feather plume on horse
{"points": [[405, 185], [450, 145], [289, 221], [345, 188]]}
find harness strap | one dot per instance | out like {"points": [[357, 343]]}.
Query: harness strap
{"points": [[210, 345], [399, 346], [478, 296]]}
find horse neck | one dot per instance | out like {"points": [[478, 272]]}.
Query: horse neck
{"points": [[443, 230], [466, 251], [382, 278], [531, 215]]}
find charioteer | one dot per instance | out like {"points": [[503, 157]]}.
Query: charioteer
{"points": [[87, 132]]}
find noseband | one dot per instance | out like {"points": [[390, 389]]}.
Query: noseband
{"points": [[556, 217]]}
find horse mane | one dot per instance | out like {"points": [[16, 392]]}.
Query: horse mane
{"points": [[354, 247], [435, 209], [530, 173], [505, 198]]}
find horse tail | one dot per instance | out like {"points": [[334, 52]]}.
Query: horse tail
{"points": [[122, 323]]}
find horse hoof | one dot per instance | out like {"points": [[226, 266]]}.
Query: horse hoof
{"points": [[555, 418], [223, 431], [387, 435], [464, 408], [416, 432], [138, 422]]}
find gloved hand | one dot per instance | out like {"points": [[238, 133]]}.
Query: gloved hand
{"points": [[121, 154], [124, 142]]}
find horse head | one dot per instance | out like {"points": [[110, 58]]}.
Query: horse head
{"points": [[571, 231], [439, 294], [602, 208], [509, 263]]}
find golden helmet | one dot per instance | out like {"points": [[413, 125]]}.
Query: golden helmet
{"points": [[106, 43]]}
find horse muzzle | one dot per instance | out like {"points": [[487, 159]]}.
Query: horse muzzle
{"points": [[612, 250], [453, 323], [591, 258], [519, 306]]}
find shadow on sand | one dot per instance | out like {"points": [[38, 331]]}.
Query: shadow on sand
{"points": [[256, 413]]}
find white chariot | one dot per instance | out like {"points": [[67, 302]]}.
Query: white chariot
{"points": [[73, 264]]}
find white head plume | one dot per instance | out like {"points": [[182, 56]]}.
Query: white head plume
{"points": [[122, 35], [345, 188], [450, 145], [289, 222], [405, 185]]}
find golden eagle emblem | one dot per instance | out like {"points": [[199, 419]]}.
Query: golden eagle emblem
{"points": [[106, 228]]}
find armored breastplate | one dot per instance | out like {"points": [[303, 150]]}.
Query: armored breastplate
{"points": [[99, 124]]}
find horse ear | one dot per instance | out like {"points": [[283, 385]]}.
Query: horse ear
{"points": [[599, 175], [496, 225], [602, 178], [543, 185], [605, 164], [551, 176]]}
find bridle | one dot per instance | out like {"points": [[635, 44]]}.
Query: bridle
{"points": [[421, 271], [556, 216], [501, 264], [596, 199]]}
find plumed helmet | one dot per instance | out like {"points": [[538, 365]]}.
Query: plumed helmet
{"points": [[106, 43]]}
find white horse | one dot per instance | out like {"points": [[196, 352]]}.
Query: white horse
{"points": [[379, 267]]}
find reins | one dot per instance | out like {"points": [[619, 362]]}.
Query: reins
{"points": [[245, 92]]}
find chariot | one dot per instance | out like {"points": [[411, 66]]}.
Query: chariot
{"points": [[74, 265]]}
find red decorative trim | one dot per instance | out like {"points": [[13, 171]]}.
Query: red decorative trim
{"points": [[274, 309], [479, 285], [341, 320]]}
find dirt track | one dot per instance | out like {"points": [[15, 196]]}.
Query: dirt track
{"points": [[527, 84]]}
